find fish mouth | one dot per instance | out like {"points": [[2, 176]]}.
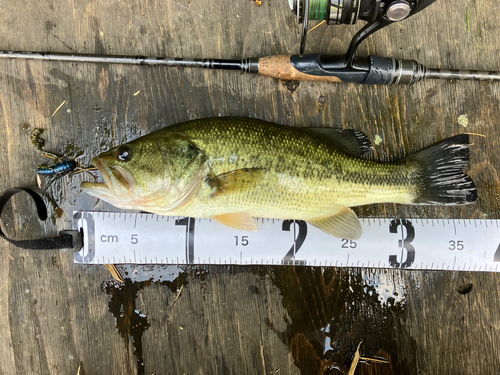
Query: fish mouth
{"points": [[118, 181]]}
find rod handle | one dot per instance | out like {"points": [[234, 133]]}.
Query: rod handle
{"points": [[280, 67]]}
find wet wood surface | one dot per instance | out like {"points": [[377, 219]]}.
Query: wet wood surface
{"points": [[56, 317]]}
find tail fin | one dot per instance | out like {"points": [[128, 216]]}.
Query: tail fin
{"points": [[442, 181]]}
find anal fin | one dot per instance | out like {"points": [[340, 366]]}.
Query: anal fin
{"points": [[344, 224], [239, 220]]}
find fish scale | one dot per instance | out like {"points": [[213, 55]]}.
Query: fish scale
{"points": [[316, 170], [232, 169]]}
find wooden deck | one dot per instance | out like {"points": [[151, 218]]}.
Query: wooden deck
{"points": [[58, 318]]}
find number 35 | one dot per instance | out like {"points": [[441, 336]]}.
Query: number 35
{"points": [[456, 245]]}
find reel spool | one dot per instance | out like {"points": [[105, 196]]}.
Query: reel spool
{"points": [[377, 13]]}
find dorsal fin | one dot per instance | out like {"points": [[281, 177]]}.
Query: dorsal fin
{"points": [[352, 141]]}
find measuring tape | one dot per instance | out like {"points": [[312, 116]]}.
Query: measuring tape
{"points": [[435, 244]]}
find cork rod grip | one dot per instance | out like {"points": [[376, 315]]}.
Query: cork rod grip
{"points": [[281, 68]]}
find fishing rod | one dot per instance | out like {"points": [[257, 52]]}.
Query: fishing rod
{"points": [[373, 70]]}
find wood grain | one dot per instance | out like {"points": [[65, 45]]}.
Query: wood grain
{"points": [[56, 316]]}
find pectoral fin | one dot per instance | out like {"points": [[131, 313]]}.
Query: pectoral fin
{"points": [[345, 224], [238, 220], [237, 180]]}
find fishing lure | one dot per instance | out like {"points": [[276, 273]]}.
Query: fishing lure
{"points": [[61, 167], [58, 167]]}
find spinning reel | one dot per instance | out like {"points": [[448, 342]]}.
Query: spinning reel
{"points": [[368, 70], [377, 13]]}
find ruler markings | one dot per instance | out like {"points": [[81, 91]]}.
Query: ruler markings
{"points": [[468, 242]]}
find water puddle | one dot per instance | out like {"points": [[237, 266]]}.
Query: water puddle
{"points": [[332, 310], [132, 322], [329, 311]]}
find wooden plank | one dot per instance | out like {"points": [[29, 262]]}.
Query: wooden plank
{"points": [[57, 316]]}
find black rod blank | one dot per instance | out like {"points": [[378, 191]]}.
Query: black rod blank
{"points": [[249, 65]]}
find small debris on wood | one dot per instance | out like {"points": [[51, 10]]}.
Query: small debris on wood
{"points": [[291, 85], [36, 140], [355, 360], [59, 211], [178, 294], [463, 120], [318, 25], [480, 135], [58, 108], [465, 288], [320, 104], [115, 273]]}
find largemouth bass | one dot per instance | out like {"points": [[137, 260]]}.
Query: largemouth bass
{"points": [[232, 169]]}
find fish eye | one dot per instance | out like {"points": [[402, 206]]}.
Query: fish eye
{"points": [[124, 153]]}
